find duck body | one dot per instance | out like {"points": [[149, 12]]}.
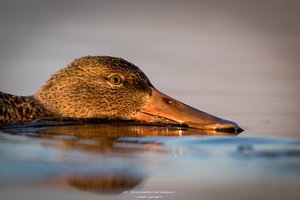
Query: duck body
{"points": [[16, 109], [104, 87]]}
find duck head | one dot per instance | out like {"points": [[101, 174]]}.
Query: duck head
{"points": [[111, 88]]}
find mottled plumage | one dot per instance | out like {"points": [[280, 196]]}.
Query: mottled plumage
{"points": [[19, 109], [105, 87], [82, 90]]}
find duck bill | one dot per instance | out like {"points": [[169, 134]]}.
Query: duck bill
{"points": [[163, 109]]}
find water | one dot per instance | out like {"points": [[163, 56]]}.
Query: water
{"points": [[132, 161]]}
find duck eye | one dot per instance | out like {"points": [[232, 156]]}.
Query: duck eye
{"points": [[115, 79]]}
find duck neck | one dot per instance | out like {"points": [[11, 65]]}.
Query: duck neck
{"points": [[15, 109]]}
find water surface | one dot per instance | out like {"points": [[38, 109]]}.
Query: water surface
{"points": [[134, 161]]}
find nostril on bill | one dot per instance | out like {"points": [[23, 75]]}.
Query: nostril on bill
{"points": [[167, 100]]}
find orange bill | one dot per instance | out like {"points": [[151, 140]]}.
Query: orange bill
{"points": [[166, 110]]}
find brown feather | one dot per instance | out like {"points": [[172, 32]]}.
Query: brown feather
{"points": [[15, 109]]}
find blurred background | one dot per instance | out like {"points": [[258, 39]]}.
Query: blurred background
{"points": [[236, 59]]}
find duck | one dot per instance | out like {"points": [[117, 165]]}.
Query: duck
{"points": [[105, 88]]}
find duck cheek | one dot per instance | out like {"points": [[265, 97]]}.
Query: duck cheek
{"points": [[164, 109]]}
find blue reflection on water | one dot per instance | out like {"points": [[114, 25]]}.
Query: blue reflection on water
{"points": [[28, 159]]}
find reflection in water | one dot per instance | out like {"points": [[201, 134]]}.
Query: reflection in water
{"points": [[110, 158], [108, 183], [110, 129], [79, 149]]}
